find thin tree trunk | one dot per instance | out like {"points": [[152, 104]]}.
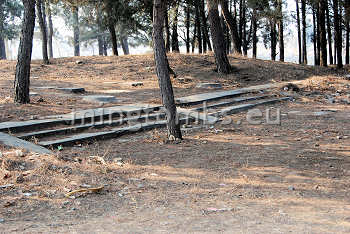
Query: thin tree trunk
{"points": [[175, 36], [125, 45], [303, 17], [111, 29], [318, 35], [76, 31], [232, 25], [323, 34], [100, 45], [244, 28], [105, 50], [299, 32], [100, 31], [281, 30], [338, 33], [199, 28], [222, 63], [166, 89], [167, 32], [194, 38], [273, 39], [188, 26], [329, 35], [2, 49], [255, 29], [206, 41], [50, 29], [315, 35], [42, 23], [347, 27], [22, 77]]}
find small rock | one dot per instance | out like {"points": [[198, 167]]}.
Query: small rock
{"points": [[276, 135], [41, 100], [209, 86], [291, 188], [79, 62], [137, 84], [20, 179], [74, 209], [339, 137], [140, 186], [27, 194], [2, 220]]}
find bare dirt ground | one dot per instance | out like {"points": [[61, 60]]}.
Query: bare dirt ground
{"points": [[236, 178]]}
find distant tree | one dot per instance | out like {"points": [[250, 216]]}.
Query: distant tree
{"points": [[40, 6], [222, 63], [338, 33], [323, 35]]}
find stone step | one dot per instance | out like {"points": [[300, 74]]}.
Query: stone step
{"points": [[14, 142], [117, 132], [206, 97], [81, 128], [239, 108], [76, 117], [233, 101]]}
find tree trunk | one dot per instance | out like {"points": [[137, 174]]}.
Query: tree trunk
{"points": [[76, 31], [100, 31], [2, 49], [329, 35], [167, 32], [315, 35], [255, 29], [244, 29], [111, 29], [222, 63], [323, 34], [188, 26], [105, 50], [232, 25], [347, 27], [273, 39], [100, 45], [303, 17], [175, 36], [199, 28], [299, 32], [166, 89], [338, 33], [318, 35], [205, 26], [42, 23], [50, 29], [22, 77], [281, 30], [194, 38], [125, 45]]}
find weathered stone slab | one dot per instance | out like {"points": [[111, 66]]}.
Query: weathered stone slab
{"points": [[44, 87], [233, 101], [77, 117], [205, 97], [33, 94], [80, 128], [236, 109], [209, 86], [18, 143], [113, 91], [100, 99], [205, 119], [72, 90]]}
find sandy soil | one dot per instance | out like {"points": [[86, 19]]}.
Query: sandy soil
{"points": [[232, 178]]}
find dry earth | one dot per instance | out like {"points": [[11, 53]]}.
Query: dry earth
{"points": [[236, 178]]}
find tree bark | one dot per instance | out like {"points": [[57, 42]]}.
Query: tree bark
{"points": [[198, 27], [175, 36], [281, 30], [299, 32], [111, 28], [329, 35], [125, 45], [2, 49], [338, 33], [76, 30], [22, 77], [50, 29], [188, 26], [167, 32], [323, 35], [222, 63], [232, 25], [347, 27], [273, 39], [105, 50], [41, 18], [315, 35], [206, 38], [303, 17], [255, 29], [166, 89]]}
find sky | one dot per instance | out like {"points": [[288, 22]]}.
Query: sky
{"points": [[63, 49]]}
